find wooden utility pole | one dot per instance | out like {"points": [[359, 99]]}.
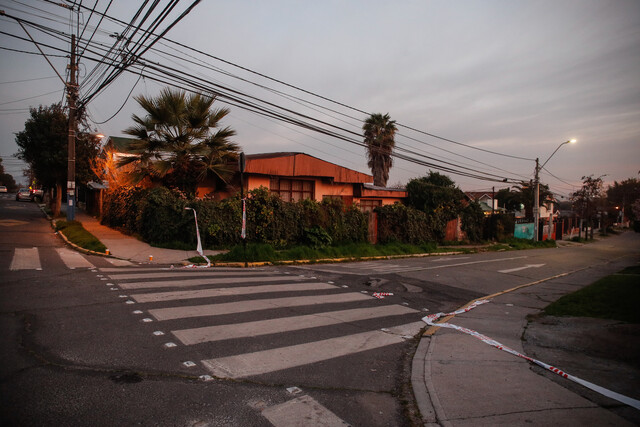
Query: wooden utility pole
{"points": [[72, 95]]}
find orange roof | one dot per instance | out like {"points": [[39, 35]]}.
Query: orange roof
{"points": [[301, 165]]}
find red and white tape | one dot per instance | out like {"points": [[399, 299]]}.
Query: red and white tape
{"points": [[430, 320], [381, 295]]}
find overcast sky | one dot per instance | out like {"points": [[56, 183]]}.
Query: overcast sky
{"points": [[512, 77]]}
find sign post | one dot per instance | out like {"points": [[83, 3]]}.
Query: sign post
{"points": [[243, 233]]}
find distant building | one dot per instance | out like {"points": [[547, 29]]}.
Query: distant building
{"points": [[293, 176]]}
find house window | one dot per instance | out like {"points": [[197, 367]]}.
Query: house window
{"points": [[291, 190], [370, 205]]}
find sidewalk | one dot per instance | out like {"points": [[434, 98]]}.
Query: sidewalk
{"points": [[127, 247], [458, 380]]}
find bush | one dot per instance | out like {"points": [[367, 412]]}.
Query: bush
{"points": [[400, 223]]}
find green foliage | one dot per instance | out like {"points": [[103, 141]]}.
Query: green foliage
{"points": [[76, 234], [158, 216], [379, 138], [179, 141], [316, 237], [400, 223], [499, 227], [612, 297], [43, 146], [473, 221], [261, 252]]}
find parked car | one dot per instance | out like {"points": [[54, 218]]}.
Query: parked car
{"points": [[36, 194], [3, 189], [23, 194]]}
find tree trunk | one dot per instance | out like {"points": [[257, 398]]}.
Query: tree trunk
{"points": [[56, 200]]}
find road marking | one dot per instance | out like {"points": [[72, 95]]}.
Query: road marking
{"points": [[12, 222], [286, 324], [183, 273], [353, 269], [244, 290], [301, 411], [73, 259], [252, 305], [117, 261], [512, 270], [266, 361], [25, 259], [206, 281]]}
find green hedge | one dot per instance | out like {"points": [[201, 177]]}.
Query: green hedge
{"points": [[159, 217]]}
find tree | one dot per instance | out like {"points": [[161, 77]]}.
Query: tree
{"points": [[585, 200], [379, 134], [521, 197], [623, 194], [43, 146], [178, 143], [435, 193], [6, 179]]}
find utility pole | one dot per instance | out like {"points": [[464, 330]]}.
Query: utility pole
{"points": [[72, 95], [536, 202]]}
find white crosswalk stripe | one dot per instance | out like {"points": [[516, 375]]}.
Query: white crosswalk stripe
{"points": [[30, 259], [25, 259], [266, 297], [73, 259]]}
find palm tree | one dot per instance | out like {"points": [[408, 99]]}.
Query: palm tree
{"points": [[176, 142], [379, 133]]}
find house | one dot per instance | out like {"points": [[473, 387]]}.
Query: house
{"points": [[292, 175], [488, 203], [296, 176]]}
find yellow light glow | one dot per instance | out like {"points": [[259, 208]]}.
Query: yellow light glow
{"points": [[573, 141]]}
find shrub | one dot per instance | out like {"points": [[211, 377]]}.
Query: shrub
{"points": [[400, 223]]}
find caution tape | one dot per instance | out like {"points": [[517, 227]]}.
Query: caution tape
{"points": [[430, 320], [381, 295]]}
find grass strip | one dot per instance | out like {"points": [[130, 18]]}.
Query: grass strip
{"points": [[260, 252], [613, 297], [76, 234]]}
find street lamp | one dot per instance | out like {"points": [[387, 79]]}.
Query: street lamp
{"points": [[536, 195], [199, 247]]}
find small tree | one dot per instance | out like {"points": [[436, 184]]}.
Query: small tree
{"points": [[585, 200], [43, 146]]}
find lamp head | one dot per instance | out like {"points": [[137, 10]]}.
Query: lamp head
{"points": [[572, 141], [188, 209]]}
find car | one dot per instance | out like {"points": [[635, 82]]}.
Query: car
{"points": [[23, 194], [36, 194], [3, 189]]}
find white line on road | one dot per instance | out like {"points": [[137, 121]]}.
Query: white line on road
{"points": [[25, 259], [206, 281], [243, 290], [183, 273], [301, 411], [266, 361], [286, 324], [353, 269], [73, 259], [511, 270], [253, 305]]}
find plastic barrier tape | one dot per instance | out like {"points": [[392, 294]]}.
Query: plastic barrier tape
{"points": [[430, 319]]}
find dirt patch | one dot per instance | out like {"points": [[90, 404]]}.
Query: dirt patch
{"points": [[604, 352]]}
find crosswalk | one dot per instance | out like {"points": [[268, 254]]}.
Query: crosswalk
{"points": [[208, 308], [31, 259]]}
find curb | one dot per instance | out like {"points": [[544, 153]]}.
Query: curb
{"points": [[326, 260], [73, 245]]}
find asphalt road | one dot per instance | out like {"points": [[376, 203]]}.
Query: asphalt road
{"points": [[85, 341]]}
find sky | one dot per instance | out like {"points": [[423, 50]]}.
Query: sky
{"points": [[506, 81]]}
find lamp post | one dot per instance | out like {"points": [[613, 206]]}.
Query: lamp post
{"points": [[199, 247], [536, 193]]}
